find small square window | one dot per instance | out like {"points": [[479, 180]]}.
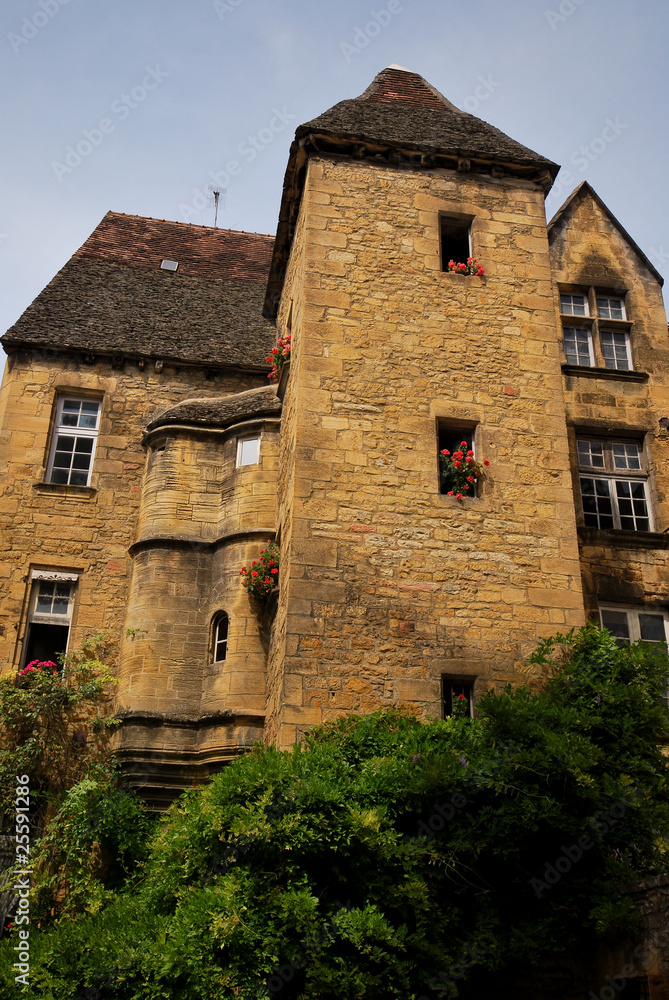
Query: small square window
{"points": [[578, 345], [454, 439], [616, 349], [455, 240], [248, 451], [458, 696], [573, 305], [610, 308], [169, 265]]}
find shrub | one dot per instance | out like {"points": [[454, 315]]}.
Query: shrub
{"points": [[386, 857]]}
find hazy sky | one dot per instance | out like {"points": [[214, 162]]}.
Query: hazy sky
{"points": [[136, 105]]}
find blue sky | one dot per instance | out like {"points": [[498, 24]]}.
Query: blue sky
{"points": [[162, 95]]}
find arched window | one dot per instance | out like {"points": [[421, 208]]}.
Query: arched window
{"points": [[221, 622]]}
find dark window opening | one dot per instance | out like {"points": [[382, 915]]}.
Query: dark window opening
{"points": [[46, 642], [635, 989], [450, 439], [457, 696], [455, 242], [221, 623]]}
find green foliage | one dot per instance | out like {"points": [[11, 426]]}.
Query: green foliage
{"points": [[89, 849], [387, 858], [54, 724]]}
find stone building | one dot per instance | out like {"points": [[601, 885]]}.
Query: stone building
{"points": [[146, 458]]}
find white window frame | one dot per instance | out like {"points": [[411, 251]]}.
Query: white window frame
{"points": [[613, 473], [42, 580], [604, 311], [633, 611], [587, 330], [570, 310], [242, 450], [220, 618], [62, 430], [616, 366]]}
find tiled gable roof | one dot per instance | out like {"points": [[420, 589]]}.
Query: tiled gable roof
{"points": [[202, 252], [113, 298]]}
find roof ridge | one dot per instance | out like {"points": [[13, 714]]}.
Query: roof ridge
{"points": [[177, 222], [396, 84]]}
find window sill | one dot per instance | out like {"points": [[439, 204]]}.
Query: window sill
{"points": [[624, 539], [64, 490], [618, 374]]}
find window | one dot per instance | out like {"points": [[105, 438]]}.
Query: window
{"points": [[595, 331], [74, 437], [615, 494], [220, 644], [248, 451], [616, 349], [573, 305], [451, 438], [455, 239], [49, 616], [578, 345], [610, 308], [630, 624], [458, 691]]}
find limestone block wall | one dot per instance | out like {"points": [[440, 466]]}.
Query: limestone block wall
{"points": [[391, 584], [283, 685], [201, 519], [589, 252], [86, 531]]}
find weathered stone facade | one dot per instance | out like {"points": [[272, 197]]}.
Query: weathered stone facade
{"points": [[392, 584], [389, 587]]}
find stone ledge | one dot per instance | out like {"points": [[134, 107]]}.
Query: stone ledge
{"points": [[623, 539], [616, 374], [181, 542], [74, 492]]}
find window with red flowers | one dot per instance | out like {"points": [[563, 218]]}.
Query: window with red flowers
{"points": [[456, 440], [458, 696], [455, 238]]}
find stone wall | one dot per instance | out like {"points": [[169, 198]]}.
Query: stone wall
{"points": [[588, 251], [390, 583], [86, 531]]}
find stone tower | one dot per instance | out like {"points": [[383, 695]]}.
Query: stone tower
{"points": [[392, 589]]}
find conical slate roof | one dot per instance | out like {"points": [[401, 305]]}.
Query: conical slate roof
{"points": [[403, 120], [400, 108]]}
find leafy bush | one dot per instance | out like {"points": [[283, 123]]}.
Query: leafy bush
{"points": [[89, 849], [55, 725], [389, 858]]}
